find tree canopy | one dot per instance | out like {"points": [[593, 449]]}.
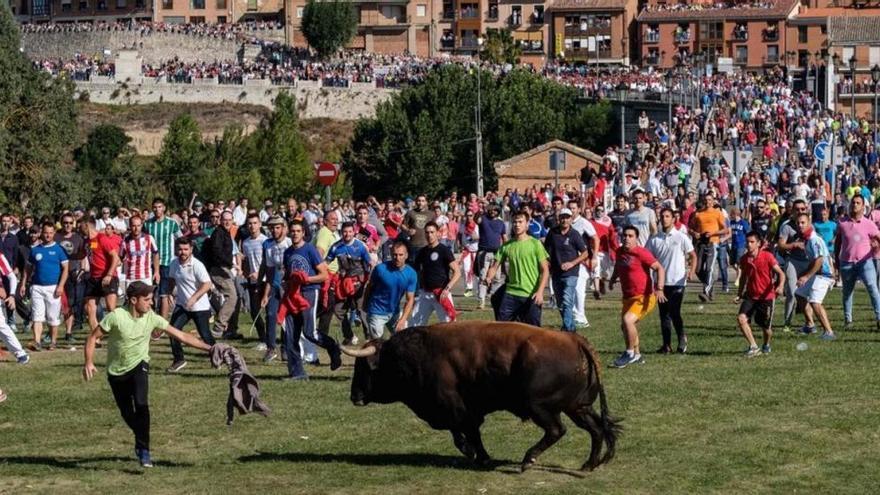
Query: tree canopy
{"points": [[500, 47], [329, 25], [422, 140]]}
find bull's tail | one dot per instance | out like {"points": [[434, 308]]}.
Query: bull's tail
{"points": [[609, 425]]}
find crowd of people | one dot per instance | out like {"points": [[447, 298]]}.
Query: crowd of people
{"points": [[241, 31]]}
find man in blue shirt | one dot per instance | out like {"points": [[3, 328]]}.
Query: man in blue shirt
{"points": [[567, 251], [47, 272], [739, 227], [815, 282], [388, 284], [492, 236], [354, 262], [304, 258]]}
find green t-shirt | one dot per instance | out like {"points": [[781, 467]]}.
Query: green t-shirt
{"points": [[323, 241], [523, 265], [128, 339]]}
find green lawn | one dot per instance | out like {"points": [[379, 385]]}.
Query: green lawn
{"points": [[711, 421]]}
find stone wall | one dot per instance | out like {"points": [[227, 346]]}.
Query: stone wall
{"points": [[313, 101], [154, 47]]}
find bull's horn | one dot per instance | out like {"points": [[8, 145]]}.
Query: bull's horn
{"points": [[365, 352]]}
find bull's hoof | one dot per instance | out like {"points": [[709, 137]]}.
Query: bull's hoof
{"points": [[589, 466], [526, 464], [483, 461]]}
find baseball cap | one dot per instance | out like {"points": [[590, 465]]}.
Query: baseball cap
{"points": [[267, 203], [275, 220], [565, 212]]}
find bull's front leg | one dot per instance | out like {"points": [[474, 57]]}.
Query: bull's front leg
{"points": [[462, 444], [472, 432]]}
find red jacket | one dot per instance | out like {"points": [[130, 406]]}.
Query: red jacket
{"points": [[293, 301]]}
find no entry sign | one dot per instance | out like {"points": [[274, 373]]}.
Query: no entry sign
{"points": [[326, 173]]}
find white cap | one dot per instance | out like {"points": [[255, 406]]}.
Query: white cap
{"points": [[565, 211]]}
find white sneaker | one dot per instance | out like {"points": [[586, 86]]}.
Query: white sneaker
{"points": [[261, 346]]}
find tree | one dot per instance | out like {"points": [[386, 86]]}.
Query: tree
{"points": [[279, 153], [500, 47], [108, 171], [329, 25], [37, 127], [182, 159], [422, 140]]}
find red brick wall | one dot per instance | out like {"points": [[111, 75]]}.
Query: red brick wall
{"points": [[536, 170]]}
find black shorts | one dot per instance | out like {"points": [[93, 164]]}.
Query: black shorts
{"points": [[760, 311], [96, 290]]}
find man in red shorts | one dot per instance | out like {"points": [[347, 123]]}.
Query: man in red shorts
{"points": [[633, 267], [757, 293], [103, 280]]}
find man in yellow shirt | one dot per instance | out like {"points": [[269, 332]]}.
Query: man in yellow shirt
{"points": [[708, 225]]}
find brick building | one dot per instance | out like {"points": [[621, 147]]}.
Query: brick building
{"points": [[749, 32], [36, 11], [533, 166], [592, 31], [854, 50]]}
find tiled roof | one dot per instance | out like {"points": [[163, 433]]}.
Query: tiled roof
{"points": [[854, 29], [587, 5], [777, 10], [556, 143]]}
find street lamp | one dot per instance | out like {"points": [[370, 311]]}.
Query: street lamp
{"points": [[478, 124], [852, 91], [669, 97], [623, 88], [875, 77], [816, 59]]}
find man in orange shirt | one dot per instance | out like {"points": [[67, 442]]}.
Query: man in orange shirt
{"points": [[707, 225]]}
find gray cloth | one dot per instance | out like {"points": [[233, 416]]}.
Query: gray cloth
{"points": [[244, 390]]}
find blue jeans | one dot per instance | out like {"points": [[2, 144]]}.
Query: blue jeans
{"points": [[517, 308], [864, 271], [564, 289], [723, 265], [271, 317], [179, 318], [305, 324]]}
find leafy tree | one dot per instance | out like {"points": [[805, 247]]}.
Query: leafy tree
{"points": [[181, 163], [422, 140], [500, 47], [329, 25], [103, 146], [37, 126], [279, 152], [108, 171]]}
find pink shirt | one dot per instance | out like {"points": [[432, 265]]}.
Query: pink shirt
{"points": [[855, 239]]}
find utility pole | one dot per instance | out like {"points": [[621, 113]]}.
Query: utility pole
{"points": [[479, 134], [737, 187]]}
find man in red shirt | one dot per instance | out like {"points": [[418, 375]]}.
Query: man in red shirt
{"points": [[757, 293], [103, 280], [633, 267], [604, 265]]}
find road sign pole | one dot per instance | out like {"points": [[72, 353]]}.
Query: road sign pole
{"points": [[328, 198], [736, 187]]}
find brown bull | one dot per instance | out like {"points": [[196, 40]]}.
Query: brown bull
{"points": [[452, 375]]}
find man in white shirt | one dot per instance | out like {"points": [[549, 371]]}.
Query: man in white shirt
{"points": [[254, 280], [583, 227], [670, 246], [193, 284]]}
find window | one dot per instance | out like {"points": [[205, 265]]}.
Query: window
{"points": [[392, 12], [102, 4], [139, 4], [772, 54], [252, 5], [65, 5], [538, 15], [848, 52], [712, 30], [197, 19], [168, 5], [221, 4], [299, 12], [221, 19], [516, 15], [120, 4], [421, 10], [802, 34], [174, 19], [41, 7], [83, 5], [742, 54], [873, 55], [197, 4]]}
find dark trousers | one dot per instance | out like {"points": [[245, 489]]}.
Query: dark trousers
{"points": [[75, 290], [516, 308], [180, 317], [342, 310], [271, 318], [130, 391], [305, 324], [670, 314], [255, 295]]}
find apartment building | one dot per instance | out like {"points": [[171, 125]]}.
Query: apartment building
{"points": [[37, 11], [593, 31], [749, 32]]}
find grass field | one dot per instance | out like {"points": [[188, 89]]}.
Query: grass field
{"points": [[710, 421]]}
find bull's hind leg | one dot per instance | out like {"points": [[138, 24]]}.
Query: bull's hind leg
{"points": [[553, 431], [584, 418], [472, 432], [462, 444]]}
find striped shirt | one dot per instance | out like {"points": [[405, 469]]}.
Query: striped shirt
{"points": [[164, 231], [137, 257], [252, 248], [5, 267]]}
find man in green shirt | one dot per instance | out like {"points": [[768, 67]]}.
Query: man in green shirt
{"points": [[528, 270], [165, 231], [128, 333]]}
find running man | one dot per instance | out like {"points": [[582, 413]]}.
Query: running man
{"points": [[670, 247], [7, 300], [388, 283], [756, 293], [633, 267], [128, 334], [708, 226], [193, 284], [567, 251], [140, 256], [438, 273], [815, 282], [103, 281], [852, 248]]}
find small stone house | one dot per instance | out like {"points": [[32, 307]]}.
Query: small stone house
{"points": [[533, 166]]}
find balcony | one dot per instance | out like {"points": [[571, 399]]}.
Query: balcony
{"points": [[536, 18], [469, 13], [652, 60], [492, 13], [652, 37], [771, 59], [469, 43], [535, 46], [515, 19], [447, 43], [740, 34], [741, 59], [684, 37], [448, 13], [770, 35]]}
